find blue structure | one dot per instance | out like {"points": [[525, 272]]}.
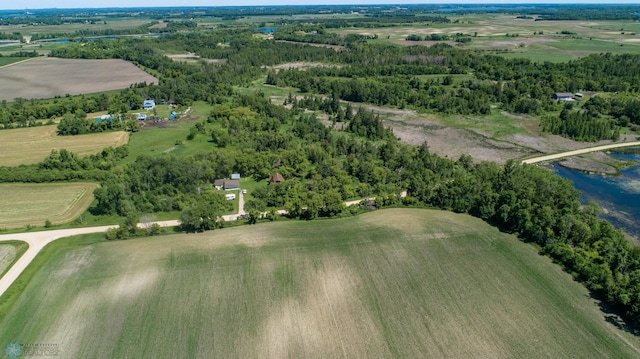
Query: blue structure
{"points": [[149, 104]]}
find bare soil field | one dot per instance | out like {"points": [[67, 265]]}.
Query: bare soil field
{"points": [[301, 65], [45, 77], [32, 204], [31, 145], [408, 283]]}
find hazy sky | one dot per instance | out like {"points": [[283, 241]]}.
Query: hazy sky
{"points": [[39, 4]]}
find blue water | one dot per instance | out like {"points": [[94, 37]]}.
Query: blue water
{"points": [[267, 30], [619, 196], [8, 42]]}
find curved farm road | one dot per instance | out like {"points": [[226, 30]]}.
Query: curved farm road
{"points": [[37, 240], [579, 152]]}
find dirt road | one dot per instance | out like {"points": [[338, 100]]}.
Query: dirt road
{"points": [[579, 152], [37, 240]]}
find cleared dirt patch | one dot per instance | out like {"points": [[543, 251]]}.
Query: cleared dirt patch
{"points": [[23, 146], [415, 129], [192, 58], [46, 77], [22, 204], [301, 65]]}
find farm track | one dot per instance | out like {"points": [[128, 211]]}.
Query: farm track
{"points": [[38, 240], [579, 152]]}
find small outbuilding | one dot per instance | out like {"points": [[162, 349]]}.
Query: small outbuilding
{"points": [[235, 176], [142, 117], [230, 196], [276, 178], [562, 96], [218, 184]]}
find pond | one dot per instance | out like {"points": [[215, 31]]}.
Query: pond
{"points": [[619, 196]]}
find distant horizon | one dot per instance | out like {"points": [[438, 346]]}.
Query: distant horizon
{"points": [[126, 4]]}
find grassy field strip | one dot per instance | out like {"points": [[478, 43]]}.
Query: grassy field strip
{"points": [[391, 283], [10, 252], [7, 255], [23, 146], [24, 204], [14, 63]]}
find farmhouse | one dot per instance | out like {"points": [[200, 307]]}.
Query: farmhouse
{"points": [[276, 178], [226, 184], [562, 96], [149, 104]]}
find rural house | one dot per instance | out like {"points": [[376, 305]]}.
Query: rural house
{"points": [[149, 104], [562, 96], [276, 178], [226, 184]]}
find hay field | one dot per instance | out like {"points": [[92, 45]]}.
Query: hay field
{"points": [[45, 77], [33, 144], [393, 283], [22, 204], [8, 254]]}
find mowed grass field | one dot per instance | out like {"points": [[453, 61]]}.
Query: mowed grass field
{"points": [[46, 77], [32, 204], [405, 283], [23, 146]]}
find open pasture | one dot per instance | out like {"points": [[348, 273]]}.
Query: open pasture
{"points": [[392, 283], [32, 204], [538, 40], [23, 146], [48, 77]]}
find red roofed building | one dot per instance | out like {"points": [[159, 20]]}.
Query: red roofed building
{"points": [[276, 178]]}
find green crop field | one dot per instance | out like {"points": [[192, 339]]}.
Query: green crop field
{"points": [[32, 204], [23, 146], [392, 283]]}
